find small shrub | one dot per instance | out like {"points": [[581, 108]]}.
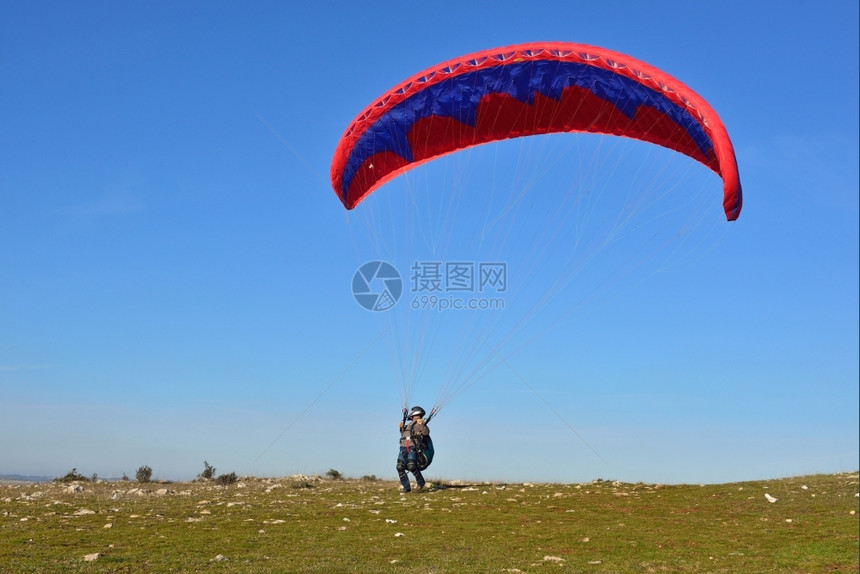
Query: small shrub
{"points": [[125, 477], [334, 474], [208, 471], [72, 476], [144, 474], [369, 478], [227, 479]]}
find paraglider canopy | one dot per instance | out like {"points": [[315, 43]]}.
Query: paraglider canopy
{"points": [[524, 90]]}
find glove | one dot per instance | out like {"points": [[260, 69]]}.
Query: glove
{"points": [[401, 425]]}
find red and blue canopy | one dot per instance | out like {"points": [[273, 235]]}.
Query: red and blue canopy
{"points": [[526, 90]]}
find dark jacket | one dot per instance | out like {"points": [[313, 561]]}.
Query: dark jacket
{"points": [[413, 433]]}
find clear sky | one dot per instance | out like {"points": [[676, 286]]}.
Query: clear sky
{"points": [[175, 270]]}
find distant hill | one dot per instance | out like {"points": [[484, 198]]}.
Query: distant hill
{"points": [[25, 478]]}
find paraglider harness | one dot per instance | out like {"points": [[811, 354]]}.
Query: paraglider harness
{"points": [[423, 445]]}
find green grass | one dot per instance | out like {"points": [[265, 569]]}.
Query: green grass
{"points": [[321, 525]]}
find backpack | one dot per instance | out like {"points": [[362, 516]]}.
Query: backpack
{"points": [[425, 451]]}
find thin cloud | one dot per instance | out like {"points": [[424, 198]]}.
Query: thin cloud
{"points": [[17, 368], [112, 203]]}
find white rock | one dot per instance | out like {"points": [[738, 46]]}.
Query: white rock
{"points": [[92, 557], [770, 498]]}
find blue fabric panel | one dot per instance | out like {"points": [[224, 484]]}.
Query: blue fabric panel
{"points": [[458, 97]]}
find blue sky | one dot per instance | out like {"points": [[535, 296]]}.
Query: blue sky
{"points": [[175, 270]]}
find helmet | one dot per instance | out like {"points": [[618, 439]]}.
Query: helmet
{"points": [[417, 411]]}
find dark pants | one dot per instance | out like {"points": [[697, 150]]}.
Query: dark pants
{"points": [[407, 460]]}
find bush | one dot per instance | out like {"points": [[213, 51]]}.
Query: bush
{"points": [[72, 476], [144, 474], [369, 478], [334, 474], [227, 479], [208, 471]]}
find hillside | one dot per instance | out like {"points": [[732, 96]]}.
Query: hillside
{"points": [[312, 524]]}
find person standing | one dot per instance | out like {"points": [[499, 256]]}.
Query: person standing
{"points": [[413, 435]]}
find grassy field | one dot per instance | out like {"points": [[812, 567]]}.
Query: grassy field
{"points": [[300, 524]]}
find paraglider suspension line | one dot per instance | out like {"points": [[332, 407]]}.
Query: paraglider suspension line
{"points": [[544, 401]]}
